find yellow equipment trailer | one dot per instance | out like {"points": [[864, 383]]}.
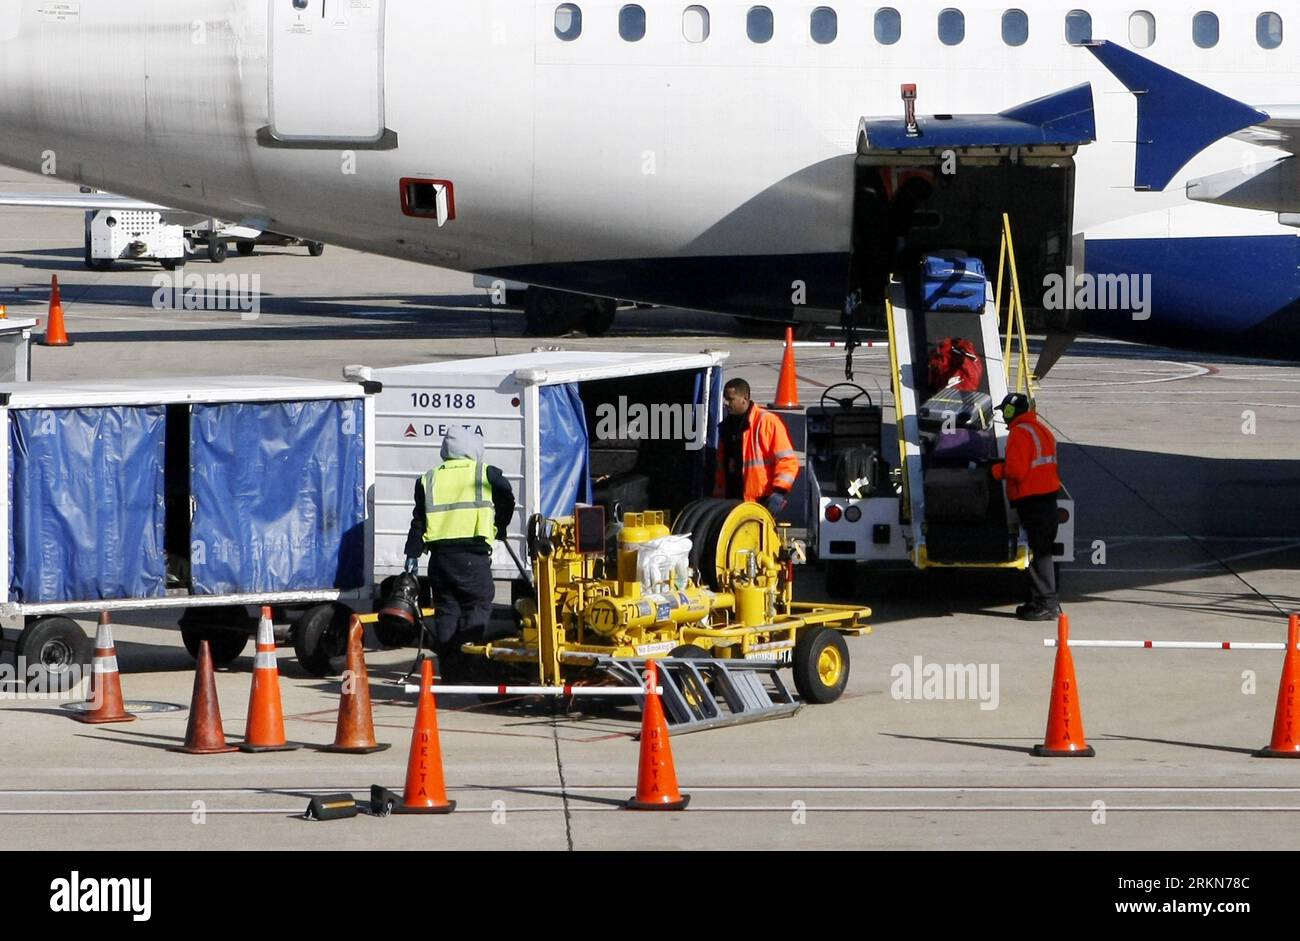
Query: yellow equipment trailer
{"points": [[735, 603]]}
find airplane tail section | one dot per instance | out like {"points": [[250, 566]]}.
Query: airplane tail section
{"points": [[1177, 117]]}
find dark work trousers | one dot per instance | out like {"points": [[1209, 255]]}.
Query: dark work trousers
{"points": [[462, 595], [1040, 522]]}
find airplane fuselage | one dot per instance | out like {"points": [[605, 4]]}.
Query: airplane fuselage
{"points": [[712, 174]]}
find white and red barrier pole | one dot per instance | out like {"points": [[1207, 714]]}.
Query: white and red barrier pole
{"points": [[1173, 644], [585, 691]]}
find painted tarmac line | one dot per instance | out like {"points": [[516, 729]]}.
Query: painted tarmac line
{"points": [[695, 810], [704, 788]]}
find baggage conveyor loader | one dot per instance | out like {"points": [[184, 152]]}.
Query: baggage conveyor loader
{"points": [[593, 620]]}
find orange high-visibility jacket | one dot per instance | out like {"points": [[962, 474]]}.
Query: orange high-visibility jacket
{"points": [[770, 459], [1030, 469]]}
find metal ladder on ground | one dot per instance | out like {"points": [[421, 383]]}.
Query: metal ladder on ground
{"points": [[700, 693]]}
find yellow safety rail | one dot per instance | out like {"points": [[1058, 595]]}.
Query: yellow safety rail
{"points": [[896, 386], [1015, 324]]}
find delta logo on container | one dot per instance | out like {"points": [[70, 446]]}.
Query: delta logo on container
{"points": [[77, 894]]}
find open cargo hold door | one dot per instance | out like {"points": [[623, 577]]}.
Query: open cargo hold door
{"points": [[326, 74], [931, 185], [940, 182], [86, 517], [279, 497]]}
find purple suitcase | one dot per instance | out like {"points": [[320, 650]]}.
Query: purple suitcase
{"points": [[963, 445]]}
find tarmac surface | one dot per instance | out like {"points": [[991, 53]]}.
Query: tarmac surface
{"points": [[1187, 530]]}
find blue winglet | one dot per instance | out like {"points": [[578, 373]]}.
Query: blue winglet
{"points": [[1177, 117]]}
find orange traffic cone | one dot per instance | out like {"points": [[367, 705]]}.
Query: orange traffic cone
{"points": [[105, 699], [1286, 736], [425, 793], [1064, 737], [203, 734], [55, 334], [787, 383], [355, 732], [265, 728], [656, 779]]}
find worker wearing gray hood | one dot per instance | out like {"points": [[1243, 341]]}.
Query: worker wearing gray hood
{"points": [[462, 506]]}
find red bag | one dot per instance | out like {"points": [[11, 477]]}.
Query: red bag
{"points": [[955, 358]]}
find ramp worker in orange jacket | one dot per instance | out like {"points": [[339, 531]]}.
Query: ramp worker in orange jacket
{"points": [[1033, 480], [756, 460]]}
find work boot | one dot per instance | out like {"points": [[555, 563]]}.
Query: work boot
{"points": [[1036, 613]]}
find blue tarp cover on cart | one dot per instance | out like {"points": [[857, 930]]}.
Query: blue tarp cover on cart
{"points": [[279, 497], [86, 508]]}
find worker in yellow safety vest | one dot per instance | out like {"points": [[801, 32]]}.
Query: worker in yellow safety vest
{"points": [[462, 506]]}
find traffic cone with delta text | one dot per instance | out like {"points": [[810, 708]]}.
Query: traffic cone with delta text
{"points": [[55, 333], [787, 383], [355, 732], [656, 778], [1286, 735], [105, 702], [426, 792], [1064, 737]]}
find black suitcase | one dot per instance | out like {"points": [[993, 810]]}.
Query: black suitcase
{"points": [[955, 494]]}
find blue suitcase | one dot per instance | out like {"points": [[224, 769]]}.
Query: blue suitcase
{"points": [[953, 282]]}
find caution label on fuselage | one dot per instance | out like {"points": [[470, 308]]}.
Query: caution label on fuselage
{"points": [[60, 12]]}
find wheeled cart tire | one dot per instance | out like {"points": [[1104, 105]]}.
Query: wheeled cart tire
{"points": [[821, 665], [226, 629], [57, 651], [320, 638]]}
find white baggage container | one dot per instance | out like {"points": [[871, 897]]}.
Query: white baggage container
{"points": [[649, 418]]}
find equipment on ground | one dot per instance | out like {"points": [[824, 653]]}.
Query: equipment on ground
{"points": [[726, 594]]}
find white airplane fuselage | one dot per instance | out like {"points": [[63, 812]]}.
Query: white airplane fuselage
{"points": [[598, 163]]}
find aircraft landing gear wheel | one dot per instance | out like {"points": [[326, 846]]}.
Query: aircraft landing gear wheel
{"points": [[58, 652], [246, 248], [315, 249], [821, 665], [320, 639], [598, 315], [217, 250], [841, 578], [550, 313]]}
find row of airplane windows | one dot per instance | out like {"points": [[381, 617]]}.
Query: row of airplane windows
{"points": [[823, 26]]}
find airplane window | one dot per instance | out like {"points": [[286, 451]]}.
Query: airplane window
{"points": [[568, 22], [695, 24], [889, 26], [1268, 30], [824, 25], [1078, 27], [758, 24], [1141, 29], [631, 22], [1015, 27], [952, 26], [1205, 30]]}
